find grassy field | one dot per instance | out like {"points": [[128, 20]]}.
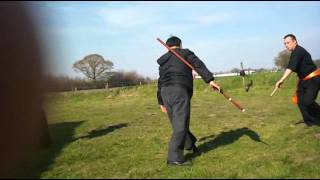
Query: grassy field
{"points": [[123, 134]]}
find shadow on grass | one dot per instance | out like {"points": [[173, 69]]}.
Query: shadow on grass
{"points": [[62, 135], [223, 139], [101, 132]]}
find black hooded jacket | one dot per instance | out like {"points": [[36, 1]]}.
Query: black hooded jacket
{"points": [[173, 71]]}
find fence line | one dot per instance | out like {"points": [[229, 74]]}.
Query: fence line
{"points": [[91, 85]]}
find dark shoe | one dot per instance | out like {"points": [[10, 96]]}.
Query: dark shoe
{"points": [[308, 123], [299, 122], [312, 123], [177, 163], [194, 149]]}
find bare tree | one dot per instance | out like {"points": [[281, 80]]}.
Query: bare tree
{"points": [[94, 67], [235, 70], [282, 60]]}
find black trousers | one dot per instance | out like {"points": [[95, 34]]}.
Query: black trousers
{"points": [[307, 93], [177, 101]]}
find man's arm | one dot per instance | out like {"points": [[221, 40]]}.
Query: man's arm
{"points": [[283, 78], [159, 97], [199, 66], [160, 101], [202, 70]]}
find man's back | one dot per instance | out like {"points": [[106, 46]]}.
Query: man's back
{"points": [[172, 71], [301, 62]]}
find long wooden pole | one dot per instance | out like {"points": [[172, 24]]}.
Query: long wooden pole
{"points": [[274, 90]]}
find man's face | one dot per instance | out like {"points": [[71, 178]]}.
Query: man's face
{"points": [[290, 43]]}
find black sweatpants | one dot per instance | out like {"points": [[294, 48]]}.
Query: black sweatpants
{"points": [[307, 94], [177, 101]]}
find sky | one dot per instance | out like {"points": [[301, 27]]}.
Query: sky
{"points": [[221, 34]]}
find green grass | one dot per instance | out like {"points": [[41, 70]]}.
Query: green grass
{"points": [[123, 134]]}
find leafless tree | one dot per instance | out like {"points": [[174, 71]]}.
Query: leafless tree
{"points": [[282, 60], [94, 67], [235, 70]]}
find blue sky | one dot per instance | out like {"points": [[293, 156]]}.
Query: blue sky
{"points": [[222, 34]]}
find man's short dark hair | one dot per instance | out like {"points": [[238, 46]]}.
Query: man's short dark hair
{"points": [[290, 35], [173, 41]]}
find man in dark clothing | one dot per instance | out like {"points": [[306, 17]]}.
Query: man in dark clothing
{"points": [[175, 89], [309, 83]]}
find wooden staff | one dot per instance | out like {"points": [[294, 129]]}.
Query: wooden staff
{"points": [[274, 91], [188, 64]]}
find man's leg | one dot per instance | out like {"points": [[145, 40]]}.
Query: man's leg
{"points": [[190, 141], [307, 95], [178, 102], [314, 110], [190, 138]]}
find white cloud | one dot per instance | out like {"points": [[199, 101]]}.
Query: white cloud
{"points": [[211, 18], [73, 31], [126, 17]]}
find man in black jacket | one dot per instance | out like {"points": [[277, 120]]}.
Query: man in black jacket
{"points": [[309, 83], [175, 89]]}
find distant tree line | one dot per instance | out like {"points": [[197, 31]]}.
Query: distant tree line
{"points": [[99, 74], [117, 79]]}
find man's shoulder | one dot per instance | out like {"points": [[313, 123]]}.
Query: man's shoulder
{"points": [[164, 55], [164, 58], [186, 51], [300, 49], [297, 52]]}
